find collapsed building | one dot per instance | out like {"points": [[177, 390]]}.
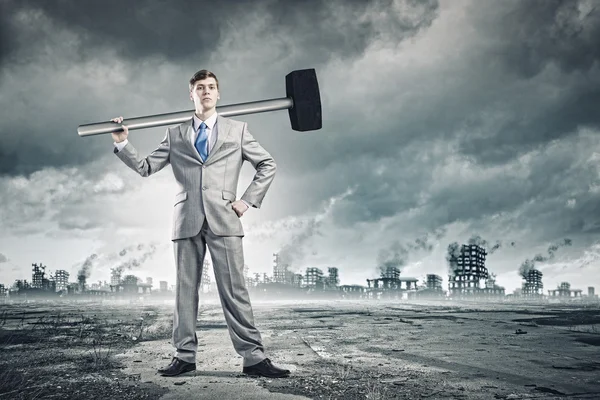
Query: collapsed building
{"points": [[314, 279], [469, 278], [281, 272], [468, 271], [285, 283], [115, 276], [352, 291], [391, 285], [532, 285], [433, 288], [492, 289], [40, 286], [564, 291], [61, 277], [131, 285]]}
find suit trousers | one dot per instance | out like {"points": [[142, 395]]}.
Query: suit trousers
{"points": [[228, 264]]}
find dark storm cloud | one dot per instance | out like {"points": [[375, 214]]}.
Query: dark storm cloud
{"points": [[531, 109], [532, 34], [551, 42], [49, 38], [188, 29], [482, 99], [135, 29]]}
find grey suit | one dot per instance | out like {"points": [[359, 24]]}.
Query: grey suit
{"points": [[203, 217]]}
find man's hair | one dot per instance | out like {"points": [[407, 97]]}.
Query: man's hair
{"points": [[202, 74]]}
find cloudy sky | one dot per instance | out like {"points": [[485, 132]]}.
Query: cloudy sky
{"points": [[443, 122]]}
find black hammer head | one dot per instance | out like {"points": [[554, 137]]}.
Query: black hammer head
{"points": [[302, 87]]}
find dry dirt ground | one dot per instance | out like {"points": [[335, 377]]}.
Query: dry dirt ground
{"points": [[335, 349]]}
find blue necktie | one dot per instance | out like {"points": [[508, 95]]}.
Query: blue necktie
{"points": [[202, 142]]}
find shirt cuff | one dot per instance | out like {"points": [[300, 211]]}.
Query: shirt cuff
{"points": [[244, 201], [119, 146]]}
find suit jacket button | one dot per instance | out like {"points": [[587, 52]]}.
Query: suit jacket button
{"points": [[204, 188]]}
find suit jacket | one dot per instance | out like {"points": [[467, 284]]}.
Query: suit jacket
{"points": [[207, 189]]}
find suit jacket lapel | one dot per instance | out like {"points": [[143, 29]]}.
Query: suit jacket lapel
{"points": [[186, 131], [223, 129]]}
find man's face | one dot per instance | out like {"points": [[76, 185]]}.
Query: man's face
{"points": [[204, 93]]}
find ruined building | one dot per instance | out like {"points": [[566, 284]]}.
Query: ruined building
{"points": [[353, 291], [39, 281], [391, 285], [333, 280], [492, 289], [564, 291], [115, 276], [433, 287], [38, 278], [434, 282], [281, 272], [297, 280], [131, 285], [314, 278], [533, 286], [61, 277], [468, 271]]}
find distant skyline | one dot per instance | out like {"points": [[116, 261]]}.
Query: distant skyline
{"points": [[443, 121]]}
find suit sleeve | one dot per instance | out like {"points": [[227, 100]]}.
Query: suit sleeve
{"points": [[264, 165], [149, 165]]}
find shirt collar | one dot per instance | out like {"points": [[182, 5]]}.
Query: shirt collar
{"points": [[210, 121]]}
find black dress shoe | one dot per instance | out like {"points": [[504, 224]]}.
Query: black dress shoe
{"points": [[177, 367], [266, 368]]}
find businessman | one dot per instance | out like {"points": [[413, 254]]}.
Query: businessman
{"points": [[206, 154]]}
